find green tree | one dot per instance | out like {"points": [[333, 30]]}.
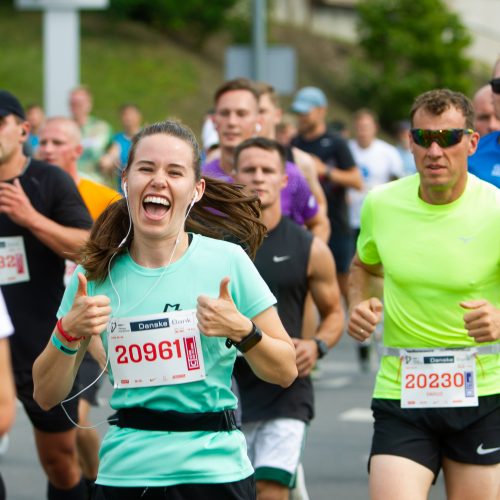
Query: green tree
{"points": [[408, 47], [189, 20]]}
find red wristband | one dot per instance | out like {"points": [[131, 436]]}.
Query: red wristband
{"points": [[64, 333]]}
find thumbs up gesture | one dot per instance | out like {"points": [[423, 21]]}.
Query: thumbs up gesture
{"points": [[88, 315], [219, 317], [482, 321], [82, 286]]}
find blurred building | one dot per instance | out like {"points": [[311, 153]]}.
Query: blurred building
{"points": [[338, 18]]}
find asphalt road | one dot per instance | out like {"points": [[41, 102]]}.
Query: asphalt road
{"points": [[335, 455]]}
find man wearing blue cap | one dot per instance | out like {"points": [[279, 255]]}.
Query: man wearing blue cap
{"points": [[337, 171]]}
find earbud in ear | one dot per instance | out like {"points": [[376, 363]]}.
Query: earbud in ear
{"points": [[23, 132], [125, 189], [194, 200]]}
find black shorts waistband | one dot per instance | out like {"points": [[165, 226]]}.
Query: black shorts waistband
{"points": [[174, 421]]}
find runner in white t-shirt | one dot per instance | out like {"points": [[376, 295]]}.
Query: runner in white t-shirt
{"points": [[378, 161], [7, 391]]}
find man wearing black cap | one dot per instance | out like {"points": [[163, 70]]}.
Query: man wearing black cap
{"points": [[337, 171], [42, 220]]}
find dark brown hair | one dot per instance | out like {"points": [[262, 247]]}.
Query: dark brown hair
{"points": [[236, 84], [261, 143], [362, 112], [438, 101], [225, 211]]}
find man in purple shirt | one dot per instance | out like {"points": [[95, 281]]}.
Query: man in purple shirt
{"points": [[237, 119]]}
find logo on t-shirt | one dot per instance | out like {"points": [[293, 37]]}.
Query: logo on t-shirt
{"points": [[277, 258], [172, 307]]}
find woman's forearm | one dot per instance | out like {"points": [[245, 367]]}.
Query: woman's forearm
{"points": [[54, 373]]}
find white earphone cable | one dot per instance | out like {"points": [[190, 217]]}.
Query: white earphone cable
{"points": [[129, 309]]}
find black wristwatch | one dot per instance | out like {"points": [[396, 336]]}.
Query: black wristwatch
{"points": [[252, 339], [322, 347]]}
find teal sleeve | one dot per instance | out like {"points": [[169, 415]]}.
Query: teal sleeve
{"points": [[366, 246], [248, 289], [69, 293]]}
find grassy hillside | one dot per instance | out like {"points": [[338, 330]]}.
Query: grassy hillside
{"points": [[127, 62], [121, 62]]}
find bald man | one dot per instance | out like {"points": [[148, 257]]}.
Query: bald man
{"points": [[495, 87], [485, 120], [60, 144], [485, 162]]}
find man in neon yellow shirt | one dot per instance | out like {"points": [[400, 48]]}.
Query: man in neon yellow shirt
{"points": [[432, 240]]}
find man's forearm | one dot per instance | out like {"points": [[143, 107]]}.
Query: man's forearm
{"points": [[319, 225], [350, 178], [64, 241], [363, 284], [331, 327]]}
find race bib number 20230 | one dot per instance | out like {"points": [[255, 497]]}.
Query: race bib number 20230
{"points": [[439, 379]]}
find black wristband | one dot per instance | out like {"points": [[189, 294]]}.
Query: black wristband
{"points": [[253, 338], [322, 347]]}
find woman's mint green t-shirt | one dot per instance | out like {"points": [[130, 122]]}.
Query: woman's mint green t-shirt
{"points": [[131, 457]]}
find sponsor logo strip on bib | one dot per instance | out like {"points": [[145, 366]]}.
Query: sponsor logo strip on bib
{"points": [[157, 349]]}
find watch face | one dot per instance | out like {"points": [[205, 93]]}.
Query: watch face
{"points": [[254, 337]]}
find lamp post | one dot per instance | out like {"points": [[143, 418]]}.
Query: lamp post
{"points": [[259, 39], [61, 47]]}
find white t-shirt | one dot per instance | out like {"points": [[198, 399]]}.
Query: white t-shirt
{"points": [[6, 327], [379, 163]]}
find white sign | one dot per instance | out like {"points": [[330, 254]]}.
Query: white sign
{"points": [[61, 47], [157, 349], [279, 66], [439, 378], [61, 4]]}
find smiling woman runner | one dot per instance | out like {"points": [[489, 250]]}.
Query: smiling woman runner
{"points": [[179, 302]]}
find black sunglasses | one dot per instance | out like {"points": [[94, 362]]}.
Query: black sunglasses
{"points": [[444, 137], [495, 85]]}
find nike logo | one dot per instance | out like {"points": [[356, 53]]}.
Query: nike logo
{"points": [[485, 451], [465, 239], [280, 259]]}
